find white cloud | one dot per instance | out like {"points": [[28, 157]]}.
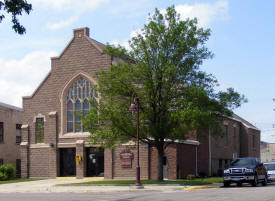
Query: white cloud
{"points": [[73, 5], [205, 13], [21, 77], [62, 24], [124, 43]]}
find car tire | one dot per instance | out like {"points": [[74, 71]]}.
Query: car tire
{"points": [[255, 181], [264, 183], [239, 184], [226, 184]]}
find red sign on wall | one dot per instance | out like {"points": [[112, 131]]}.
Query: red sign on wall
{"points": [[126, 158]]}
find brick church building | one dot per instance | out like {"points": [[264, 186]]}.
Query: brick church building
{"points": [[55, 143]]}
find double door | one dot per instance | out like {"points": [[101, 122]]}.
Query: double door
{"points": [[95, 162], [67, 162]]}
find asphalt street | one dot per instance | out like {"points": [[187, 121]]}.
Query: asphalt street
{"points": [[234, 193]]}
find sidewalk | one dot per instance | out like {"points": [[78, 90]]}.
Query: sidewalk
{"points": [[49, 185]]}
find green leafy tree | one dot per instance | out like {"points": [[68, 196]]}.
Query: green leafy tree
{"points": [[162, 70], [15, 8]]}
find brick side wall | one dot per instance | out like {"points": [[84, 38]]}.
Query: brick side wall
{"points": [[186, 160], [172, 154], [203, 154], [153, 163], [120, 172], [9, 150]]}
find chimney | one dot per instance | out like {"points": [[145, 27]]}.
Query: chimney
{"points": [[78, 33]]}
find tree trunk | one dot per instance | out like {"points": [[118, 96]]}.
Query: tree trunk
{"points": [[160, 162]]}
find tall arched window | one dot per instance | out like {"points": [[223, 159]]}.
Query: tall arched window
{"points": [[78, 105]]}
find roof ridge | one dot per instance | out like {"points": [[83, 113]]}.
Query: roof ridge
{"points": [[10, 106]]}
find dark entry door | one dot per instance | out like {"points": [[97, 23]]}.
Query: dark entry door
{"points": [[95, 162], [67, 162]]}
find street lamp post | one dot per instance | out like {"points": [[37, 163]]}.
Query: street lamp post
{"points": [[134, 107]]}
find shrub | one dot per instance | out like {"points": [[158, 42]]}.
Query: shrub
{"points": [[3, 177], [7, 172], [202, 174], [190, 177]]}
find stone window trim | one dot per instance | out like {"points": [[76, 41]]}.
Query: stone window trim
{"points": [[39, 115], [39, 146], [63, 131], [39, 130]]}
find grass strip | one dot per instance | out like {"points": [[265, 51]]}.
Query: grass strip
{"points": [[184, 182], [17, 181]]}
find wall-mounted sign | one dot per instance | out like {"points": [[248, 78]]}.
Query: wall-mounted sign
{"points": [[126, 158]]}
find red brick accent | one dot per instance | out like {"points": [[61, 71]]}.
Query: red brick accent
{"points": [[186, 160], [130, 173]]}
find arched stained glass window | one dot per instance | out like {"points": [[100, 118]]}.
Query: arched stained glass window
{"points": [[78, 104]]}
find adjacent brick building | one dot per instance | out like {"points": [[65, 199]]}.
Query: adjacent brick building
{"points": [[54, 142], [267, 152], [240, 139], [10, 135]]}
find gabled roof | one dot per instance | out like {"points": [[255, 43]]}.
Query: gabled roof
{"points": [[244, 122], [10, 106], [99, 46]]}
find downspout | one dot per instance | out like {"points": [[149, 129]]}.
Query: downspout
{"points": [[209, 153], [196, 147]]}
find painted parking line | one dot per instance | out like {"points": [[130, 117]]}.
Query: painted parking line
{"points": [[65, 177], [199, 187], [85, 178]]}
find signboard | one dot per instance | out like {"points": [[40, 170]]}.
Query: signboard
{"points": [[126, 158]]}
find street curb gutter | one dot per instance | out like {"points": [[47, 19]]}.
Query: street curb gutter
{"points": [[199, 187]]}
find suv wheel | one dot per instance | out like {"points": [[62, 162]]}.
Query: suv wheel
{"points": [[264, 183], [255, 181], [226, 184], [239, 184]]}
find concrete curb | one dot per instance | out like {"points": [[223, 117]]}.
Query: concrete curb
{"points": [[52, 186], [199, 187]]}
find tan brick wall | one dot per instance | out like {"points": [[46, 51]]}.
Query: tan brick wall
{"points": [[80, 168], [108, 164], [80, 56], [24, 154], [39, 162]]}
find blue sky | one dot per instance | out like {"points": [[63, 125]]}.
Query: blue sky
{"points": [[242, 39]]}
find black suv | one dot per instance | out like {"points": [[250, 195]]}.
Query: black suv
{"points": [[245, 170]]}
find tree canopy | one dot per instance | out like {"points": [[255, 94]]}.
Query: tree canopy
{"points": [[162, 70], [15, 8]]}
